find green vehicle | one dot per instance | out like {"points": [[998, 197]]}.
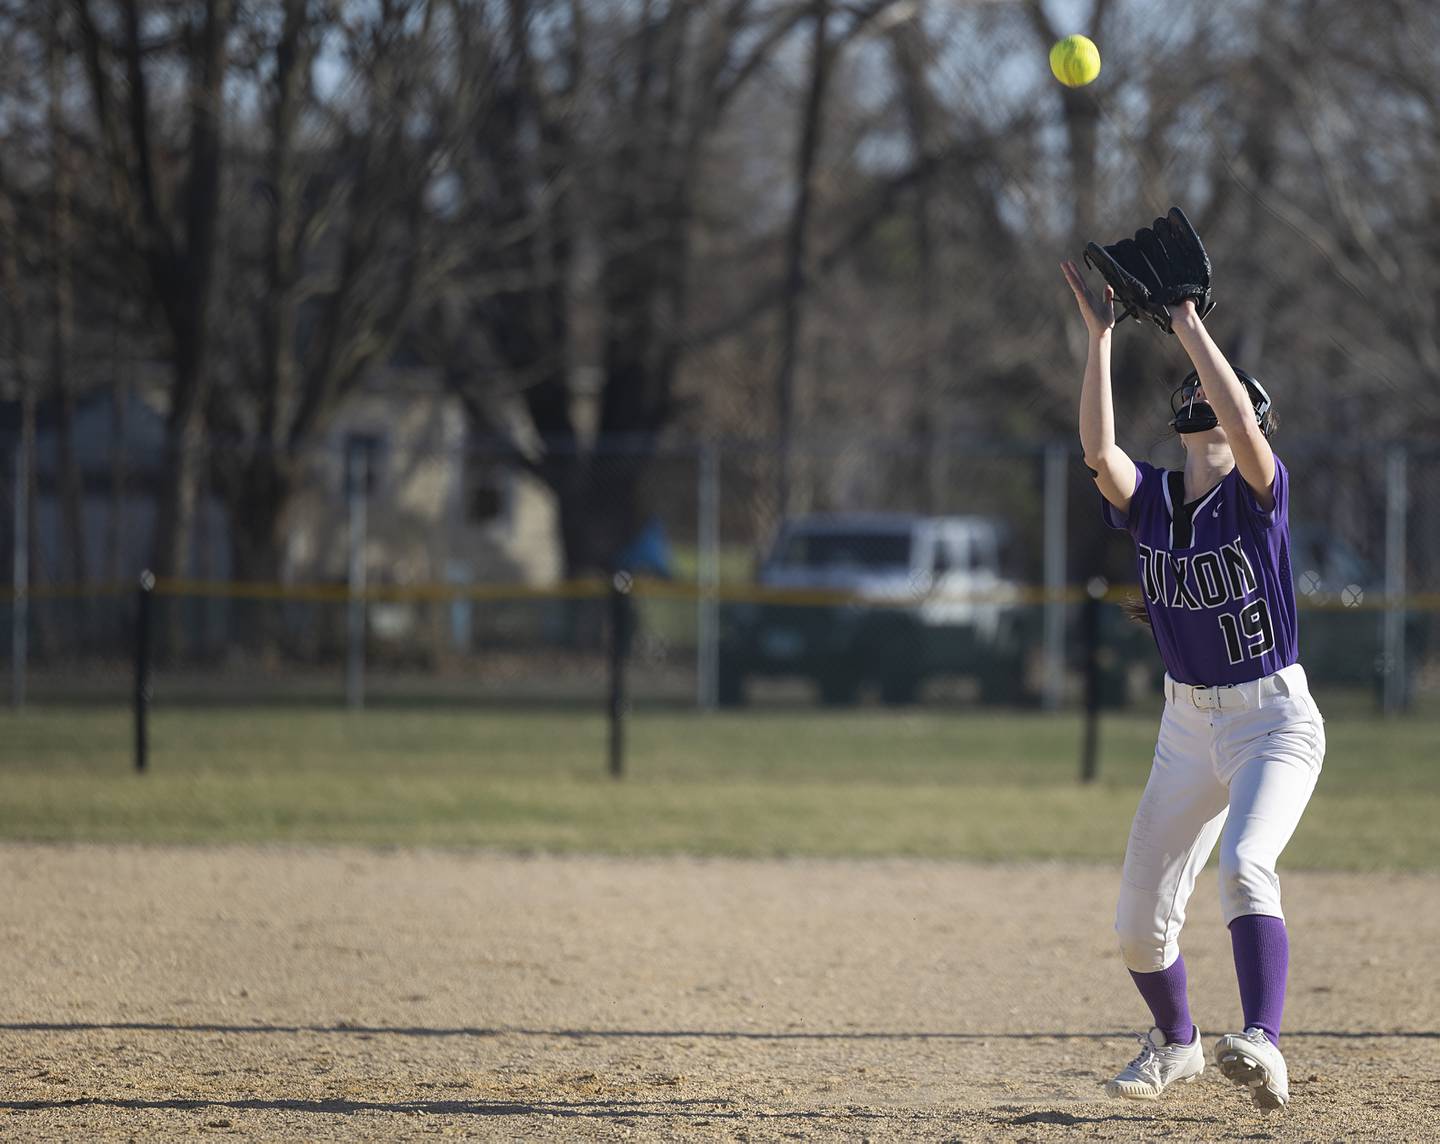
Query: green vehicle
{"points": [[883, 600]]}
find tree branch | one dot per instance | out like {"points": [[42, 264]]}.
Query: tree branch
{"points": [[882, 206]]}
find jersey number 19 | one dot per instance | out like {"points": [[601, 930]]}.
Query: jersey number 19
{"points": [[1248, 632]]}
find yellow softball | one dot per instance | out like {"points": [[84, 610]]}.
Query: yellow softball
{"points": [[1075, 60]]}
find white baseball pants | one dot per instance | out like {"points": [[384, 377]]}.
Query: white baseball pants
{"points": [[1235, 764]]}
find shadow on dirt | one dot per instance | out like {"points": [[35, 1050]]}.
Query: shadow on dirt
{"points": [[343, 1029], [348, 1030], [1071, 1120], [600, 1109]]}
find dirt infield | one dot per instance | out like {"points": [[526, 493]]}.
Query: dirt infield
{"points": [[343, 994]]}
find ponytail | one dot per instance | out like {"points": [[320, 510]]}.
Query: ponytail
{"points": [[1134, 609]]}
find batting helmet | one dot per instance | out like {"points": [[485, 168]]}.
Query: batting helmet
{"points": [[1192, 415]]}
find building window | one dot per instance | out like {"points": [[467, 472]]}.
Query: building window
{"points": [[364, 452], [487, 491]]}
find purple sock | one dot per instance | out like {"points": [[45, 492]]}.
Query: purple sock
{"points": [[1262, 959], [1164, 992]]}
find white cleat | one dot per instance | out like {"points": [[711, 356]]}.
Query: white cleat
{"points": [[1158, 1066], [1250, 1059]]}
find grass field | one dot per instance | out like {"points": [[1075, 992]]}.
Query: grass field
{"points": [[972, 785]]}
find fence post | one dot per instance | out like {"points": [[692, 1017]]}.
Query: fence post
{"points": [[144, 595], [1095, 591], [707, 576], [357, 474], [1396, 511], [20, 581], [620, 617], [1057, 459]]}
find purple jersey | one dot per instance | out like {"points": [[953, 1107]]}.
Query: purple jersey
{"points": [[1215, 575]]}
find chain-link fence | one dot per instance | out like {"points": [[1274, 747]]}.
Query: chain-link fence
{"points": [[446, 570]]}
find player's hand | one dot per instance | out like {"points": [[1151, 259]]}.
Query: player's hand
{"points": [[1185, 320], [1099, 314]]}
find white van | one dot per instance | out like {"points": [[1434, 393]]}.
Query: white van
{"points": [[894, 599]]}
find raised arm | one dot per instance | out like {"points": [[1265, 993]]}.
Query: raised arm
{"points": [[1227, 396], [1114, 470]]}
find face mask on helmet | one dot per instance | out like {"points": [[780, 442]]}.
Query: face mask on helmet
{"points": [[1192, 414]]}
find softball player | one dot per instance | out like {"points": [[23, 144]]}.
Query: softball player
{"points": [[1241, 741]]}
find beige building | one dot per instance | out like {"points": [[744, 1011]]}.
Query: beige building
{"points": [[439, 510]]}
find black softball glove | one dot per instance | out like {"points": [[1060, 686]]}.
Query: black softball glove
{"points": [[1160, 267]]}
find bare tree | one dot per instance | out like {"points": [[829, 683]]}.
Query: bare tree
{"points": [[20, 355], [583, 176], [171, 228], [1365, 105], [912, 56], [18, 304], [820, 65], [332, 244], [603, 222], [36, 229], [62, 293]]}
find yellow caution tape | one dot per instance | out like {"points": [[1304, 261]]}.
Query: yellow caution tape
{"points": [[595, 588]]}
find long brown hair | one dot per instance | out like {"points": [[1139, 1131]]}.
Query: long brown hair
{"points": [[1134, 609]]}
